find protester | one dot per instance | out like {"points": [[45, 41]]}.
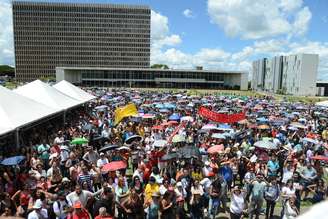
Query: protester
{"points": [[169, 155]]}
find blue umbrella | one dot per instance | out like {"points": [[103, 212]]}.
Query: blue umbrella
{"points": [[159, 106], [174, 117], [169, 106], [164, 110], [224, 126], [262, 119], [12, 160]]}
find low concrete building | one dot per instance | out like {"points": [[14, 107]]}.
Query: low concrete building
{"points": [[153, 78]]}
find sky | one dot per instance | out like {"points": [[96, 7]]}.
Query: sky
{"points": [[219, 34]]}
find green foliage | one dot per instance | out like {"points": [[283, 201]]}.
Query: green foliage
{"points": [[7, 68], [159, 66]]}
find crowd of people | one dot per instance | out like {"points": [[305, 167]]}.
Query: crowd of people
{"points": [[169, 161]]}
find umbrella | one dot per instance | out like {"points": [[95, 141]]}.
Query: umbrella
{"points": [[174, 117], [187, 118], [215, 149], [164, 110], [101, 107], [113, 166], [292, 128], [224, 126], [79, 141], [157, 127], [209, 127], [265, 145], [320, 157], [188, 152], [133, 138], [108, 147], [12, 160], [310, 140], [169, 156], [218, 136], [123, 148], [169, 106], [262, 119], [263, 127], [178, 138], [160, 143], [298, 125], [159, 106], [148, 116]]}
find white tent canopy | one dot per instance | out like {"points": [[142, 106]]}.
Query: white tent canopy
{"points": [[47, 95], [73, 91], [17, 110], [322, 103]]}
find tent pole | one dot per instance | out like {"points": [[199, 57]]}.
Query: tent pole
{"points": [[17, 137], [64, 117]]}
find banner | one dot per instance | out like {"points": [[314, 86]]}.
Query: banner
{"points": [[125, 111], [220, 117]]}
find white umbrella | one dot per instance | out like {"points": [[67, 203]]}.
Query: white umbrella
{"points": [[265, 145], [160, 143], [209, 127], [218, 136], [187, 118]]}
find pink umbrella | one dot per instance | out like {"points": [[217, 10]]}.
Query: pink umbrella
{"points": [[113, 166], [215, 149]]}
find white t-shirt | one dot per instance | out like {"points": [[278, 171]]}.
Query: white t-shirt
{"points": [[287, 174], [287, 191], [102, 162], [73, 197], [237, 204], [34, 215]]}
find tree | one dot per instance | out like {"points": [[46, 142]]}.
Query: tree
{"points": [[159, 66]]}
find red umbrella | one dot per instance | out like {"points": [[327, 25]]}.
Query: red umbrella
{"points": [[320, 157], [157, 127], [113, 166], [215, 149]]}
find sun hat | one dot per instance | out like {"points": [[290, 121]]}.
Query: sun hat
{"points": [[65, 179], [37, 204], [179, 184]]}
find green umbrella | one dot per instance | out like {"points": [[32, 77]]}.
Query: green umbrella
{"points": [[178, 138], [79, 141]]}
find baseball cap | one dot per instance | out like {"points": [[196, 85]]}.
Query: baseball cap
{"points": [[77, 205], [37, 204]]}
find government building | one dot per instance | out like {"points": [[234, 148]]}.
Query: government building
{"points": [[99, 45], [50, 35]]}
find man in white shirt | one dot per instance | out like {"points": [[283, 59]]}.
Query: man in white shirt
{"points": [[39, 212], [79, 195], [102, 160]]}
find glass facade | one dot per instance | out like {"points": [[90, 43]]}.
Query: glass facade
{"points": [[152, 78], [50, 35]]}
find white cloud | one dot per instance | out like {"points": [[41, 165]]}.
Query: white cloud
{"points": [[188, 13], [249, 19], [302, 19], [6, 34], [290, 5], [160, 33]]}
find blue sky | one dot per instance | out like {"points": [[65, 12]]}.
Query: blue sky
{"points": [[220, 34]]}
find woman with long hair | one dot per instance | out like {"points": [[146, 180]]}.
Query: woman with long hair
{"points": [[133, 206]]}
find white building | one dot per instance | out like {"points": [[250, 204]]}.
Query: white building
{"points": [[293, 74]]}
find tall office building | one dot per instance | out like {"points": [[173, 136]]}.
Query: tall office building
{"points": [[293, 74], [50, 35]]}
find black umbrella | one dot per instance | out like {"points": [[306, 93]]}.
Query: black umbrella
{"points": [[108, 147], [169, 156], [133, 138], [188, 152]]}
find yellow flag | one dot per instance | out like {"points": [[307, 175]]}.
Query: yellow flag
{"points": [[125, 111]]}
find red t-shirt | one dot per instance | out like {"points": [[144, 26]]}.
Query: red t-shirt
{"points": [[82, 215]]}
